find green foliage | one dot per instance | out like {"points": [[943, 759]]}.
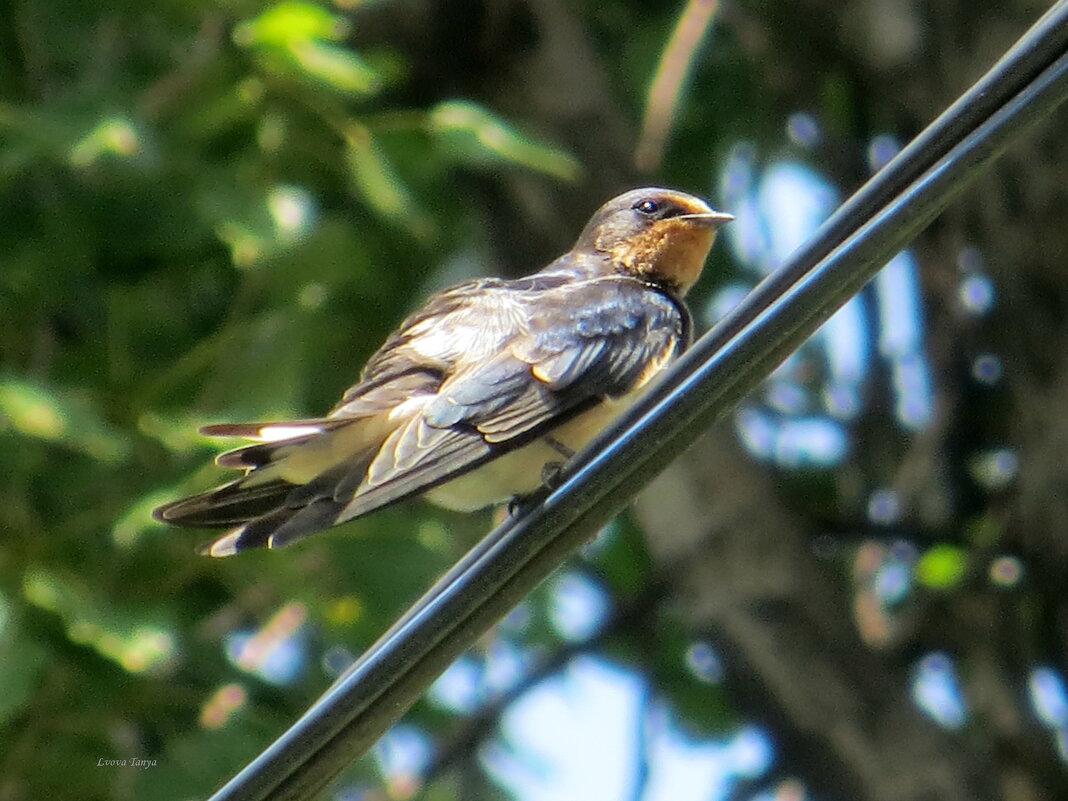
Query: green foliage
{"points": [[473, 135], [942, 567], [209, 212]]}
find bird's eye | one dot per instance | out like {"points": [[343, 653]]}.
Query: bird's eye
{"points": [[648, 207]]}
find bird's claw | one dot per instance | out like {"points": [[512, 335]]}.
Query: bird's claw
{"points": [[516, 505], [550, 480], [552, 475]]}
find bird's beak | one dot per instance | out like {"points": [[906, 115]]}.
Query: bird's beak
{"points": [[713, 219]]}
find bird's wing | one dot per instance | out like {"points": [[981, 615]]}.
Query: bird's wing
{"points": [[579, 343], [482, 369]]}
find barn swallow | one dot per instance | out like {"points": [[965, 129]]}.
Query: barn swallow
{"points": [[481, 388]]}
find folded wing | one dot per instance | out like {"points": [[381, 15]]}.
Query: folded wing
{"points": [[482, 369]]}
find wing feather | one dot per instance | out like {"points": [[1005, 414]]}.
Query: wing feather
{"points": [[585, 342]]}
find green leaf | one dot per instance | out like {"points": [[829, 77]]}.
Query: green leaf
{"points": [[285, 23], [114, 136], [301, 37], [39, 412], [114, 633], [336, 66], [470, 133], [942, 567], [376, 181]]}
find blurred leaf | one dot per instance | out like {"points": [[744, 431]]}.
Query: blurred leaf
{"points": [[301, 36], [262, 369], [942, 567], [472, 134], [285, 23], [335, 66], [32, 133], [23, 663], [35, 411], [111, 136], [379, 185], [123, 637]]}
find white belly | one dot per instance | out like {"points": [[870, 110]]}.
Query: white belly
{"points": [[519, 472]]}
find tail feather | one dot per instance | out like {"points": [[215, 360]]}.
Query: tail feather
{"points": [[316, 516], [289, 489], [287, 429], [276, 529], [228, 505], [249, 457], [272, 439]]}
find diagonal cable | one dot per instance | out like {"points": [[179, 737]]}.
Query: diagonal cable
{"points": [[1032, 53], [513, 558]]}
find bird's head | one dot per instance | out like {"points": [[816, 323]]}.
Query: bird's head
{"points": [[659, 235]]}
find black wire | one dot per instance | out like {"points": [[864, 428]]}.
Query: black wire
{"points": [[513, 558], [1031, 54]]}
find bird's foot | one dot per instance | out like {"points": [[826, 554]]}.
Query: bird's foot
{"points": [[520, 503], [559, 447], [552, 475], [551, 478]]}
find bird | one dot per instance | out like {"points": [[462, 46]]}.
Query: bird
{"points": [[482, 390]]}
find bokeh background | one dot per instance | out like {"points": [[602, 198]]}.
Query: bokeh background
{"points": [[214, 211]]}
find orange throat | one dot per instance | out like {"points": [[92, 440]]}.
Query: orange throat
{"points": [[672, 251]]}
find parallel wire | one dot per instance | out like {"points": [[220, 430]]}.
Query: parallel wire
{"points": [[1031, 54], [724, 365]]}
